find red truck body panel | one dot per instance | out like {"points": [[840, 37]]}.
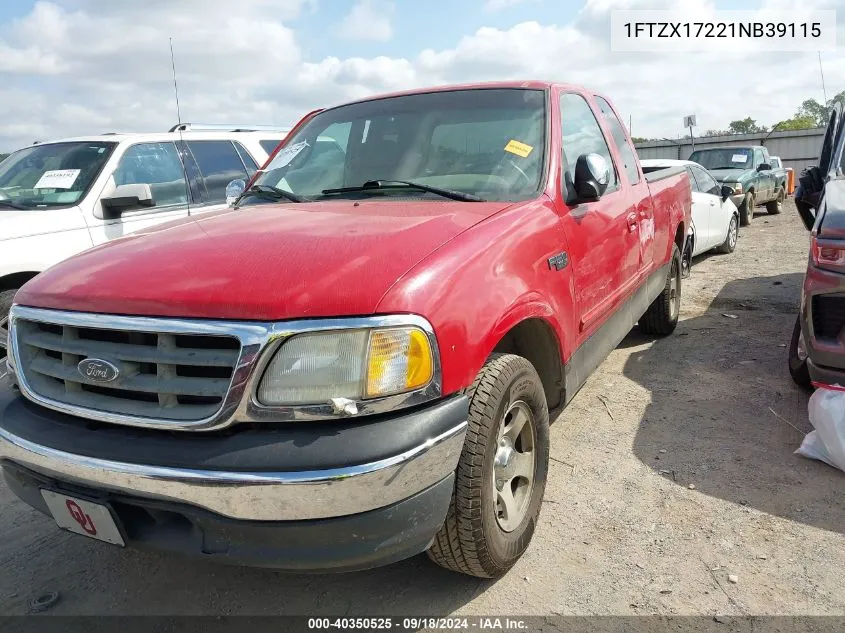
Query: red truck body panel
{"points": [[474, 270], [269, 262]]}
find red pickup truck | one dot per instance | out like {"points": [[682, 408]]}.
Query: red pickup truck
{"points": [[356, 363]]}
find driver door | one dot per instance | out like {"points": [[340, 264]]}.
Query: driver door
{"points": [[713, 211], [765, 181], [603, 236]]}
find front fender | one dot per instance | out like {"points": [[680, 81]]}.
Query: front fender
{"points": [[481, 284]]}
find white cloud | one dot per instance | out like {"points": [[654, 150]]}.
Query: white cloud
{"points": [[498, 5], [368, 20], [90, 66]]}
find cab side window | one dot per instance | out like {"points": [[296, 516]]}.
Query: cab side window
{"points": [[758, 158], [219, 163], [706, 182], [581, 134], [248, 160], [692, 180], [157, 165], [629, 156]]}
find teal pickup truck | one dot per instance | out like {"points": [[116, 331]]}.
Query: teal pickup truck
{"points": [[748, 171]]}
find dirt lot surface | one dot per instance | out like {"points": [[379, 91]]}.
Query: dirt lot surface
{"points": [[672, 470]]}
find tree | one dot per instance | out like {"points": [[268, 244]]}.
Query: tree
{"points": [[811, 108], [639, 139], [716, 133], [798, 122], [745, 126]]}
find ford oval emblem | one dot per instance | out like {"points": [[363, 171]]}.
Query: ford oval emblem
{"points": [[98, 370]]}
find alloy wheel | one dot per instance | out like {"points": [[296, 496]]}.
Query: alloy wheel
{"points": [[513, 466]]}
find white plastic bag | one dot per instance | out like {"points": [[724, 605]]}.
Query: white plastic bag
{"points": [[827, 415]]}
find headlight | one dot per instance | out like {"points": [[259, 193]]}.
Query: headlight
{"points": [[354, 364], [736, 186]]}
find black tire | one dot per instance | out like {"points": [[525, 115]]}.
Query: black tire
{"points": [[662, 315], [6, 297], [472, 540], [746, 210], [686, 258], [729, 244], [797, 366], [776, 206]]}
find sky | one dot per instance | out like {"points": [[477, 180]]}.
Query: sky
{"points": [[73, 67]]}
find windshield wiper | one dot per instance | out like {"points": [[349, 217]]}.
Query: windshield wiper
{"points": [[13, 205], [399, 184], [268, 191]]}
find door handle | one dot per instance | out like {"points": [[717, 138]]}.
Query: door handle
{"points": [[632, 222]]}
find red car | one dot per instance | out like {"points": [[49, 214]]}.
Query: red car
{"points": [[356, 363]]}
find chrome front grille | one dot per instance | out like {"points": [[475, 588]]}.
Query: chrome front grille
{"points": [[166, 376], [175, 373]]}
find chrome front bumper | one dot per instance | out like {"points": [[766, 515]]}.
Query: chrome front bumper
{"points": [[254, 496]]}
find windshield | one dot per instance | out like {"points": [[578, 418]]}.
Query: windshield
{"points": [[485, 142], [723, 158], [51, 175]]}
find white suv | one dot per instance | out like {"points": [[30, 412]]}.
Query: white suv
{"points": [[62, 197]]}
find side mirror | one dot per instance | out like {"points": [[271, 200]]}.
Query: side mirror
{"points": [[727, 192], [234, 190], [592, 175], [125, 198], [764, 167]]}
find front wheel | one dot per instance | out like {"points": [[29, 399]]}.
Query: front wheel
{"points": [[662, 315], [746, 210], [501, 474], [776, 206], [729, 244]]}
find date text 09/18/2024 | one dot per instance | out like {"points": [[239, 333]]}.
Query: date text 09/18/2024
{"points": [[417, 623]]}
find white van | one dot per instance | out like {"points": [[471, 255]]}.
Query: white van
{"points": [[62, 197]]}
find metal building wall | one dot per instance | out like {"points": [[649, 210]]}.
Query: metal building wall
{"points": [[797, 149]]}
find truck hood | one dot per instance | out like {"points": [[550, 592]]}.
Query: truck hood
{"points": [[262, 262], [729, 175]]}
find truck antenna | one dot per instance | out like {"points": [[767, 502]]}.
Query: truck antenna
{"points": [[821, 72], [179, 127]]}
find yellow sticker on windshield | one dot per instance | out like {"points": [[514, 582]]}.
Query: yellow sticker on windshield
{"points": [[520, 149]]}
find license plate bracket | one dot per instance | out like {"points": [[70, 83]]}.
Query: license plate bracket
{"points": [[82, 516]]}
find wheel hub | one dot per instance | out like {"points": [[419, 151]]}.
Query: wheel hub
{"points": [[503, 462], [674, 295], [513, 466]]}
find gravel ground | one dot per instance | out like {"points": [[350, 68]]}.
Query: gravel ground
{"points": [[673, 471]]}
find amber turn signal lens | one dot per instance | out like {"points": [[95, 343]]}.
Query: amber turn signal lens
{"points": [[399, 360]]}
